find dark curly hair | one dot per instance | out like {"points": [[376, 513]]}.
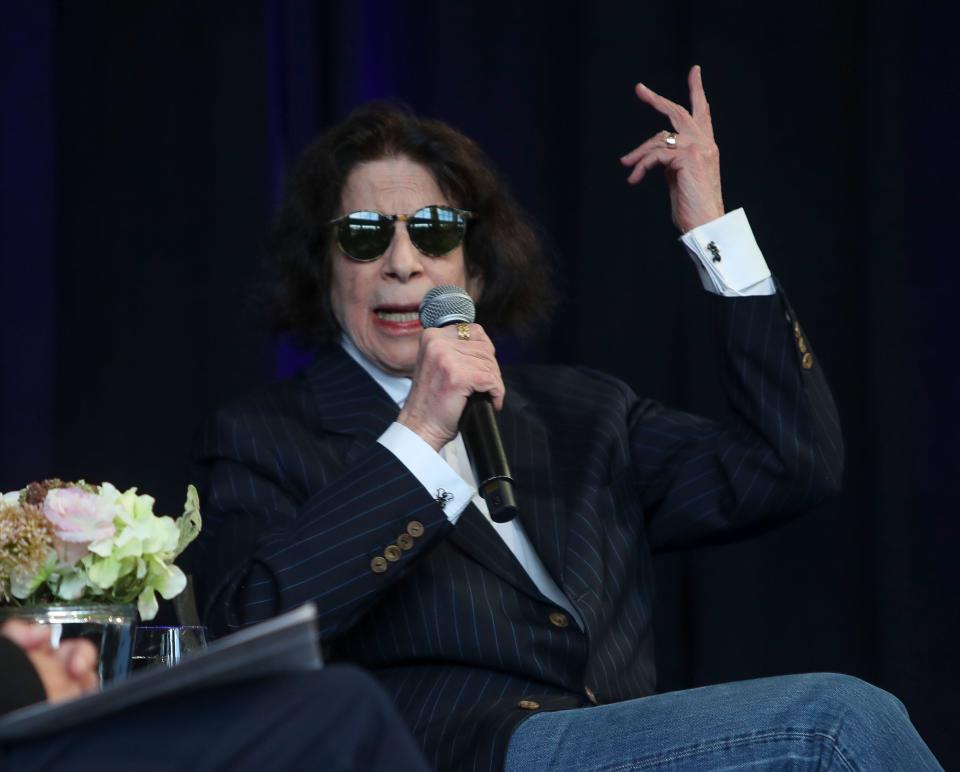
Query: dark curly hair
{"points": [[500, 245]]}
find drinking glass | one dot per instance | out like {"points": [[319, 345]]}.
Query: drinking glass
{"points": [[165, 645]]}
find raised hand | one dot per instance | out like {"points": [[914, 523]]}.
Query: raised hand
{"points": [[688, 153]]}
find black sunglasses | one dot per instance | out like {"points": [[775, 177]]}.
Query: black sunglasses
{"points": [[434, 230]]}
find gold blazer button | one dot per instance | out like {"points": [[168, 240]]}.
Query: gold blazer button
{"points": [[559, 619], [590, 695], [415, 529], [378, 565], [392, 553], [405, 541], [528, 705]]}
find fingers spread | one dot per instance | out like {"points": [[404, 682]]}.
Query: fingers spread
{"points": [[656, 142], [680, 119], [698, 100], [649, 160]]}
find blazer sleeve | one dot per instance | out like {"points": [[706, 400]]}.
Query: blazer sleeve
{"points": [[778, 452], [21, 684], [284, 524]]}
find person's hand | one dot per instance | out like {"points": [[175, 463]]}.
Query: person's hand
{"points": [[449, 370], [65, 672], [692, 165]]}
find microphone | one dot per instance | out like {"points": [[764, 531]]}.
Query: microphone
{"points": [[449, 304]]}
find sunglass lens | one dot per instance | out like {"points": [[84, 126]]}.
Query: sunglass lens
{"points": [[364, 235], [436, 230]]}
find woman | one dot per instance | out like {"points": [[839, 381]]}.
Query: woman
{"points": [[526, 643]]}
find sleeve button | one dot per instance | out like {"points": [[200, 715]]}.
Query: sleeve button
{"points": [[405, 541], [807, 361], [392, 553], [528, 705], [415, 529], [378, 565]]}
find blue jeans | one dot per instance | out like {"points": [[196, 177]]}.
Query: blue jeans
{"points": [[815, 721]]}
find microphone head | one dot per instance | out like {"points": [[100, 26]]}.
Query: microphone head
{"points": [[446, 304]]}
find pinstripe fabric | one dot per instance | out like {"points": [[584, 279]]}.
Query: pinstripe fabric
{"points": [[299, 497]]}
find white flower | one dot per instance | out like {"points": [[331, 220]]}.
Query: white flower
{"points": [[79, 518]]}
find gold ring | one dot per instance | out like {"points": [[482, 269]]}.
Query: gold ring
{"points": [[671, 140], [463, 331]]}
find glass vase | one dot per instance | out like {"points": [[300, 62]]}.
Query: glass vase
{"points": [[109, 628]]}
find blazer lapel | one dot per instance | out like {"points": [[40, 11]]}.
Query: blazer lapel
{"points": [[348, 400], [541, 514], [541, 509], [475, 536]]}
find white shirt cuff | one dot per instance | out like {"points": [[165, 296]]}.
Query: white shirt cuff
{"points": [[727, 257], [429, 468]]}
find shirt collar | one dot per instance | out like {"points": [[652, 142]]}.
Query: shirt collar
{"points": [[396, 386]]}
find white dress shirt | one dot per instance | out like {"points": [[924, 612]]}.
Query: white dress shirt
{"points": [[729, 263], [727, 257]]}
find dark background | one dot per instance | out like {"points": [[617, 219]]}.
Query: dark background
{"points": [[143, 147]]}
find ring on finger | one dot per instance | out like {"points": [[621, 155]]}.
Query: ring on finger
{"points": [[463, 331], [671, 140]]}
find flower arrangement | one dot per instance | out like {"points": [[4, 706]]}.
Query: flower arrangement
{"points": [[73, 541]]}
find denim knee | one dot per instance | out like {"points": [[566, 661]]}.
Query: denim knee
{"points": [[846, 695]]}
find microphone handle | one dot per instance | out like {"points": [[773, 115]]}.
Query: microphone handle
{"points": [[481, 435]]}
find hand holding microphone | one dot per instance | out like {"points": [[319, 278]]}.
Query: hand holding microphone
{"points": [[456, 386]]}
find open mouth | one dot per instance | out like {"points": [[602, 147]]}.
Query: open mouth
{"points": [[404, 318], [397, 316]]}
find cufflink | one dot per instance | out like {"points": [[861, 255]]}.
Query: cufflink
{"points": [[714, 250], [443, 497]]}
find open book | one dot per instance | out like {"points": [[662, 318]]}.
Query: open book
{"points": [[280, 645]]}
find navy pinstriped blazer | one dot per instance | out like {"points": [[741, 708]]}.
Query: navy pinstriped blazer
{"points": [[299, 500]]}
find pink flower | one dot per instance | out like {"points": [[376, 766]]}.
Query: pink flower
{"points": [[79, 518]]}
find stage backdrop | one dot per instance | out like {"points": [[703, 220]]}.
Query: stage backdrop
{"points": [[144, 146]]}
